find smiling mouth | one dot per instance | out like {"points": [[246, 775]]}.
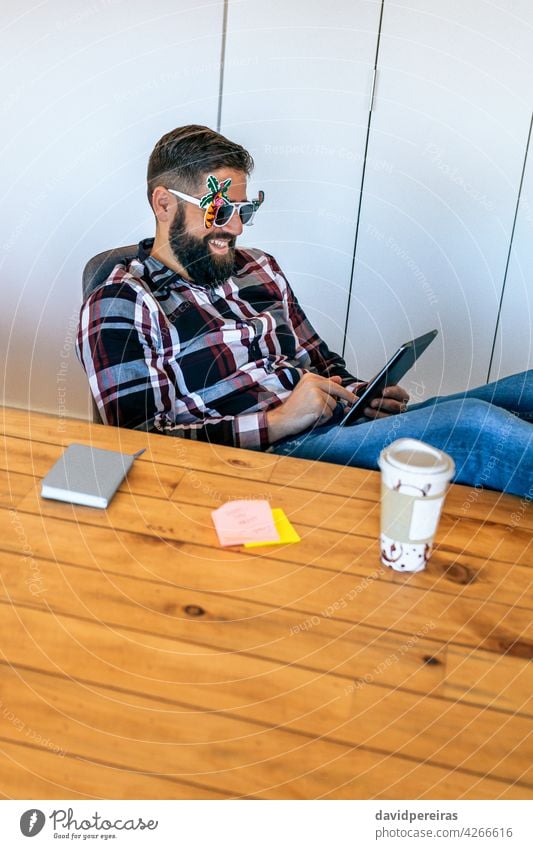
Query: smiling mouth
{"points": [[220, 246]]}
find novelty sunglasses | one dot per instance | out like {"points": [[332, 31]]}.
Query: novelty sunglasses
{"points": [[224, 213]]}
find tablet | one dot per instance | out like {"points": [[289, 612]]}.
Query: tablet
{"points": [[404, 358]]}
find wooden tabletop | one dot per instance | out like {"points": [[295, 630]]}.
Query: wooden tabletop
{"points": [[141, 660]]}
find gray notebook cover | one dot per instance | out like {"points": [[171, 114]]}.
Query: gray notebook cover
{"points": [[86, 475]]}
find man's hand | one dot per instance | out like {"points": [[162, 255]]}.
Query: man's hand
{"points": [[311, 402], [394, 400]]}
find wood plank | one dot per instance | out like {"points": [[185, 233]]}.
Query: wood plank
{"points": [[476, 577], [252, 604], [147, 735], [183, 521], [175, 670], [331, 550], [359, 517], [23, 456], [363, 649], [461, 500], [384, 605], [13, 487], [104, 654], [471, 577], [30, 772], [232, 625], [505, 682], [253, 688], [180, 453]]}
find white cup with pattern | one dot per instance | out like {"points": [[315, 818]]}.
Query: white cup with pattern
{"points": [[415, 477]]}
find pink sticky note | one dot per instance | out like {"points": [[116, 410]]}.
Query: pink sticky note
{"points": [[237, 522]]}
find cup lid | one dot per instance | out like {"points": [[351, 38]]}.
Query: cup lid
{"points": [[412, 455]]}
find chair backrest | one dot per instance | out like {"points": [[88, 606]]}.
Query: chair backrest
{"points": [[96, 272], [100, 266]]}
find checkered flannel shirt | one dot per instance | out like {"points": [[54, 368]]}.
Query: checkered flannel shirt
{"points": [[173, 357]]}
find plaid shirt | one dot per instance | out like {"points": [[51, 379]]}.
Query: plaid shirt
{"points": [[170, 356]]}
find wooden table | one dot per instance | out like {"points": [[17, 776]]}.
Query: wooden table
{"points": [[141, 660]]}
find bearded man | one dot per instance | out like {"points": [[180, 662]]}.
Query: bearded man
{"points": [[199, 339]]}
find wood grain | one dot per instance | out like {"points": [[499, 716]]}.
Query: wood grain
{"points": [[461, 501], [140, 660], [13, 487], [318, 704], [30, 772], [179, 453], [463, 574], [216, 750], [188, 522], [20, 458], [290, 594], [362, 713], [359, 517], [486, 625]]}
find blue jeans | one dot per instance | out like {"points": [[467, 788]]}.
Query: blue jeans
{"points": [[486, 430]]}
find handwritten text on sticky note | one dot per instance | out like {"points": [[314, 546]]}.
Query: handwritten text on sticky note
{"points": [[246, 520]]}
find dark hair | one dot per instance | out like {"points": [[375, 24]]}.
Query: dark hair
{"points": [[182, 156]]}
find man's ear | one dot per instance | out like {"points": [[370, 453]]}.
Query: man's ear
{"points": [[163, 204]]}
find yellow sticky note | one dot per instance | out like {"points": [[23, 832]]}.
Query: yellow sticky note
{"points": [[284, 528]]}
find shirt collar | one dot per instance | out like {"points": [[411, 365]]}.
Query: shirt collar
{"points": [[157, 275]]}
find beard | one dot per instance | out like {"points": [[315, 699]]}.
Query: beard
{"points": [[193, 253]]}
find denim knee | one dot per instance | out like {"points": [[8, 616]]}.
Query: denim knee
{"points": [[476, 413], [481, 418]]}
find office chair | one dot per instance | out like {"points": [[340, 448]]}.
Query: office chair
{"points": [[96, 272], [100, 266]]}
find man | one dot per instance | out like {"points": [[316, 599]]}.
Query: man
{"points": [[201, 340]]}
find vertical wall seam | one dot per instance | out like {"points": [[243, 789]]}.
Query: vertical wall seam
{"points": [[500, 305], [363, 173], [222, 63]]}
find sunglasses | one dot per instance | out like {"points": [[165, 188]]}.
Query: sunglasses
{"points": [[223, 214]]}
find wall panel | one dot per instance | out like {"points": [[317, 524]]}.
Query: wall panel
{"points": [[513, 351], [296, 93], [87, 91], [452, 109]]}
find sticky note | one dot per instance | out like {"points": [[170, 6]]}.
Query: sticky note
{"points": [[245, 521], [283, 526]]}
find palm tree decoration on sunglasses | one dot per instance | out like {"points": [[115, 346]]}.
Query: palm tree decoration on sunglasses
{"points": [[215, 198]]}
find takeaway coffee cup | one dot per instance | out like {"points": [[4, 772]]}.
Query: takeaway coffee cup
{"points": [[414, 480]]}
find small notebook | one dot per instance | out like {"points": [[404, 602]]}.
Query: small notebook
{"points": [[87, 475]]}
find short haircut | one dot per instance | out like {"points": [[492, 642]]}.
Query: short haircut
{"points": [[181, 157]]}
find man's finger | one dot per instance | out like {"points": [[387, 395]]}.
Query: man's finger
{"points": [[380, 408], [388, 404], [398, 393], [375, 414], [329, 401], [341, 392]]}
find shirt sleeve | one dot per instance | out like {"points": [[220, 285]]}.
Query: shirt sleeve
{"points": [[323, 360], [124, 345]]}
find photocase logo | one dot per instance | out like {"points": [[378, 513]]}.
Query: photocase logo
{"points": [[32, 822]]}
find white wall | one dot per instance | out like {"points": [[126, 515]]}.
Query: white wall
{"points": [[513, 350], [449, 130], [87, 89], [302, 107]]}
